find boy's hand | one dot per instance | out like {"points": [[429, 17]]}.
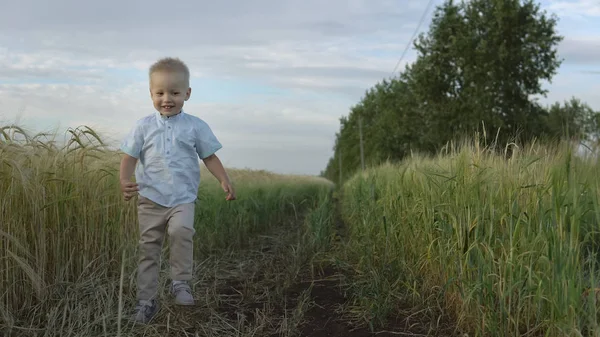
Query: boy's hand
{"points": [[228, 188], [129, 189]]}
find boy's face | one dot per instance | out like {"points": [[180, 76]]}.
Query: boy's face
{"points": [[168, 91]]}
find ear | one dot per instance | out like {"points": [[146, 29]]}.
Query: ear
{"points": [[188, 93]]}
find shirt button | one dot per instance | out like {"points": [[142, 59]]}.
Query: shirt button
{"points": [[168, 140], [168, 152]]}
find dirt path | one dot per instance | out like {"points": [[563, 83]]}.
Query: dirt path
{"points": [[276, 287], [332, 315]]}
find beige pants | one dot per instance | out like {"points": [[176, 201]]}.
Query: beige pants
{"points": [[153, 220]]}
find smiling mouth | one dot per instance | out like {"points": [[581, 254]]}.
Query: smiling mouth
{"points": [[168, 106]]}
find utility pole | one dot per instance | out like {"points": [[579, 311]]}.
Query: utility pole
{"points": [[362, 154], [340, 155]]}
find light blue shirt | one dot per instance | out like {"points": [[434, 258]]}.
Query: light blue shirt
{"points": [[167, 148]]}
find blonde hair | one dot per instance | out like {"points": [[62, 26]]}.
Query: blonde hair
{"points": [[171, 64]]}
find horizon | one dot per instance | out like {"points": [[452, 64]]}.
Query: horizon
{"points": [[272, 86]]}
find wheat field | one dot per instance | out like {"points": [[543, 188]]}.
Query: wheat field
{"points": [[506, 246], [68, 239]]}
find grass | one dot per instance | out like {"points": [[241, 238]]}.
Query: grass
{"points": [[68, 239], [507, 247]]}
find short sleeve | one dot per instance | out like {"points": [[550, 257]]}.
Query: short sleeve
{"points": [[206, 141], [133, 142]]}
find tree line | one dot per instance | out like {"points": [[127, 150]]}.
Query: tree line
{"points": [[480, 68]]}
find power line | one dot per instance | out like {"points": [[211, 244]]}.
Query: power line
{"points": [[413, 36]]}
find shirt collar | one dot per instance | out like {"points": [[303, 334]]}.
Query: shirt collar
{"points": [[173, 118]]}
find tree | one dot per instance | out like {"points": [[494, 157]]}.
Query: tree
{"points": [[478, 67], [480, 64], [574, 120]]}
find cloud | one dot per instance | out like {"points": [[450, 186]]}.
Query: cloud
{"points": [[272, 78], [581, 50], [576, 9]]}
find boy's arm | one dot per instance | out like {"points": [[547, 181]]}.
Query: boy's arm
{"points": [[214, 165], [127, 168]]}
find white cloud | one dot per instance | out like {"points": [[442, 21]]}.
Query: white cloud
{"points": [[576, 9], [581, 50]]}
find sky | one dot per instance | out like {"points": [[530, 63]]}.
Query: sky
{"points": [[272, 78]]}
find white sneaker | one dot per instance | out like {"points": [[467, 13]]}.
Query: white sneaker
{"points": [[182, 293], [145, 311]]}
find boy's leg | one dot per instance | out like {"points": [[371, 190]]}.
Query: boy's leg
{"points": [[181, 245], [152, 220]]}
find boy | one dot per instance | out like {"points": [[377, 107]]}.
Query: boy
{"points": [[167, 144]]}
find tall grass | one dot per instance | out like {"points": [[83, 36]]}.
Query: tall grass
{"points": [[63, 222], [509, 247]]}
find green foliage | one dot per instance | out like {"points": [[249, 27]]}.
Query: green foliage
{"points": [[478, 69], [574, 120], [504, 247]]}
